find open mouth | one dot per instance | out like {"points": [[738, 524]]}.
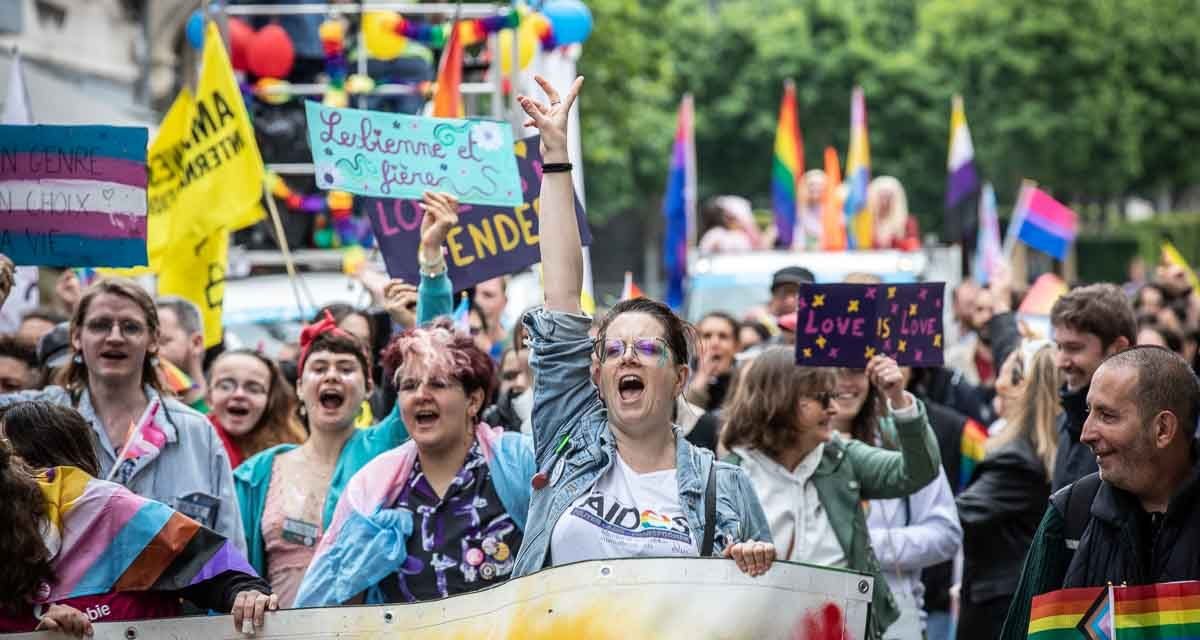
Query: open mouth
{"points": [[331, 399], [238, 412], [114, 355], [630, 387], [426, 417]]}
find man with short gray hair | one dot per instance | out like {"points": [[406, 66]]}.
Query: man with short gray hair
{"points": [[181, 342], [1137, 520]]}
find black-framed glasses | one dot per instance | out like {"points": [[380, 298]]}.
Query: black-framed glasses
{"points": [[104, 326]]}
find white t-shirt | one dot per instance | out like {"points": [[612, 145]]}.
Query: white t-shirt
{"points": [[625, 515]]}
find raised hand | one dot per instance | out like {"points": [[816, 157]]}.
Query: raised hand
{"points": [[551, 118], [885, 374], [440, 216], [400, 301]]}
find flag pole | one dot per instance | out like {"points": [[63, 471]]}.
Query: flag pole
{"points": [[288, 262], [1018, 217]]}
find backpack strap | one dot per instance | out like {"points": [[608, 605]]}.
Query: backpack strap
{"points": [[1074, 502], [710, 512]]}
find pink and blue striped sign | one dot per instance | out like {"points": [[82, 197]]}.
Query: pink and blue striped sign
{"points": [[73, 196]]}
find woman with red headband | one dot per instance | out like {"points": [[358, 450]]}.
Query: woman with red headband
{"points": [[287, 493]]}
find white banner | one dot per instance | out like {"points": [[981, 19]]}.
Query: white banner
{"points": [[631, 598]]}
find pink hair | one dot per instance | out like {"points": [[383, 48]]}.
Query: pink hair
{"points": [[440, 350]]}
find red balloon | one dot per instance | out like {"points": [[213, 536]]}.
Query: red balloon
{"points": [[240, 35], [271, 54]]}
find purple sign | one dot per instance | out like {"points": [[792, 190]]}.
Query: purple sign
{"points": [[844, 325], [489, 241]]}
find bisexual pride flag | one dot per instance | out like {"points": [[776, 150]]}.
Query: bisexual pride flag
{"points": [[679, 204], [73, 196], [1042, 222], [787, 166]]}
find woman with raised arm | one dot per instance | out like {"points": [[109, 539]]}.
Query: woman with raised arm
{"points": [[615, 477]]}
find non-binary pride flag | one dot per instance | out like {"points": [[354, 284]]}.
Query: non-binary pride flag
{"points": [[73, 196], [1042, 222], [961, 177], [860, 230], [787, 167], [679, 204], [104, 538]]}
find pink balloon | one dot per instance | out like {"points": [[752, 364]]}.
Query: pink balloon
{"points": [[271, 53]]}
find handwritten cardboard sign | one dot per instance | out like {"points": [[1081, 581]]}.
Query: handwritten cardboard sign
{"points": [[389, 155], [73, 196], [845, 325], [488, 241]]}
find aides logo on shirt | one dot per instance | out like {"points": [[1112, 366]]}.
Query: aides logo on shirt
{"points": [[611, 515]]}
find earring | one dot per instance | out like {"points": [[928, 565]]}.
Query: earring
{"points": [[154, 361], [78, 359]]}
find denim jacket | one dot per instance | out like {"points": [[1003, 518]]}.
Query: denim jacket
{"points": [[574, 446]]}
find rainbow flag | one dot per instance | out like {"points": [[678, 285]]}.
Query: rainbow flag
{"points": [[974, 448], [144, 441], [1042, 223], [860, 230], [833, 223], [1163, 611], [630, 290], [1041, 297], [679, 205], [174, 378], [105, 538], [1058, 615], [447, 97], [787, 167]]}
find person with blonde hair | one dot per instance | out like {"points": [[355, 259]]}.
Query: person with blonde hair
{"points": [[894, 227], [1001, 508]]}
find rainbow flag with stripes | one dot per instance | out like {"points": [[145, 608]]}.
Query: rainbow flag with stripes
{"points": [[787, 167], [174, 378], [860, 228], [1163, 611], [105, 538], [974, 448]]}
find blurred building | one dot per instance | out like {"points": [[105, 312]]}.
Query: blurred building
{"points": [[96, 61]]}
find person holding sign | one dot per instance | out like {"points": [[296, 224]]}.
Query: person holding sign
{"points": [[615, 478], [812, 483], [145, 440]]}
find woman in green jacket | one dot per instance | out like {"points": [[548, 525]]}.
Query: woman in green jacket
{"points": [[812, 482]]}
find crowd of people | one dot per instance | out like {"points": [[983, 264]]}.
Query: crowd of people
{"points": [[435, 460]]}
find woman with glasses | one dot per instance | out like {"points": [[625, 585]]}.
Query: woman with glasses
{"points": [[444, 513], [615, 477], [252, 406], [173, 456], [909, 533], [812, 482], [288, 492]]}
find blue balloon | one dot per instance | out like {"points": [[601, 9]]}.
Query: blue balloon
{"points": [[195, 29], [571, 20]]}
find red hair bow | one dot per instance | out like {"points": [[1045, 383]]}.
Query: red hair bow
{"points": [[313, 331]]}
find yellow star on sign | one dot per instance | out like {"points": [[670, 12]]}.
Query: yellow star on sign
{"points": [[891, 292], [912, 309], [903, 345], [937, 340], [818, 300], [807, 352], [870, 352], [853, 306], [820, 341]]}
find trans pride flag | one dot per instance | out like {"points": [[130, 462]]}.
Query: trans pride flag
{"points": [[679, 204], [988, 254], [104, 538], [860, 230], [144, 442], [787, 167]]}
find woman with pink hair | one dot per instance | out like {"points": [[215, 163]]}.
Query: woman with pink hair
{"points": [[442, 514]]}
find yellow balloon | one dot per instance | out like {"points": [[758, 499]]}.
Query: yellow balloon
{"points": [[527, 44], [380, 37]]}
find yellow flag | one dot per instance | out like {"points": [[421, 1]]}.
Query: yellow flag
{"points": [[205, 170], [1172, 256], [196, 272]]}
